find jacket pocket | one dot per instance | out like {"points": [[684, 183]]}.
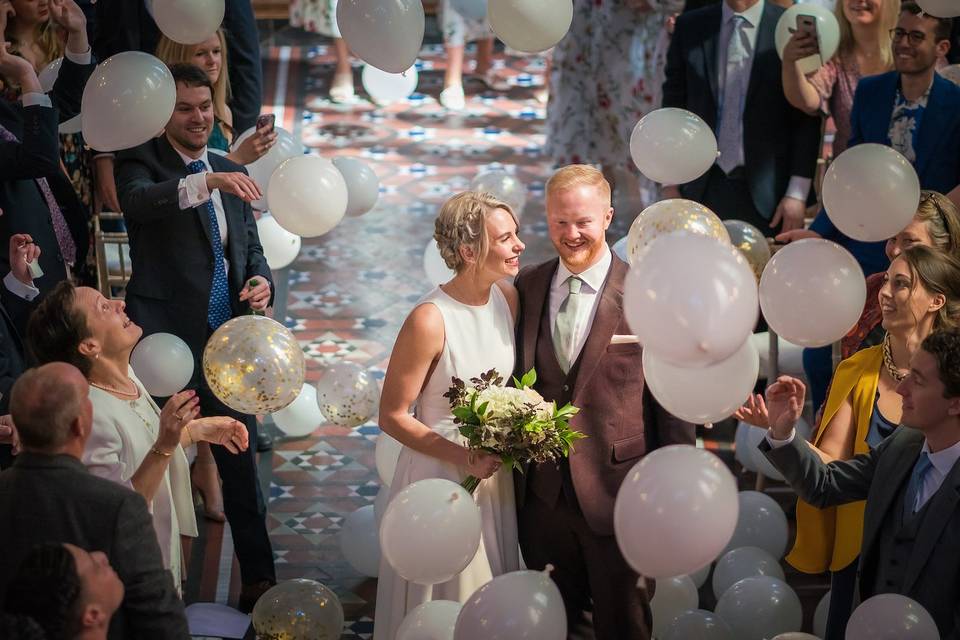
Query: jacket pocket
{"points": [[629, 448]]}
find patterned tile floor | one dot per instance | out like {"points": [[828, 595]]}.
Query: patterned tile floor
{"points": [[350, 290]]}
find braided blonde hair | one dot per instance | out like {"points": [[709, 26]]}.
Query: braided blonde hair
{"points": [[462, 223]]}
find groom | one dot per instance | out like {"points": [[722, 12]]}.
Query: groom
{"points": [[573, 331]]}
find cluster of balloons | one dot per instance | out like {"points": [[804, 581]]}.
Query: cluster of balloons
{"points": [[346, 396]]}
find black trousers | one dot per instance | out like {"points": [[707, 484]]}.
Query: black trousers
{"points": [[729, 197], [243, 501]]}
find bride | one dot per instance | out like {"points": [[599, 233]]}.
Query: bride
{"points": [[462, 328]]}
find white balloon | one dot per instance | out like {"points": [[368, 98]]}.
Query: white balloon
{"points": [[789, 355], [301, 417], [871, 192], [387, 452], [670, 216], [163, 363], [745, 562], [127, 100], [891, 616], [530, 25], [73, 125], [430, 531], [796, 635], [436, 269], [433, 620], [504, 186], [700, 576], [820, 616], [307, 195], [620, 248], [721, 388], [363, 186], [828, 33], [812, 292], [698, 625], [260, 170], [940, 8], [761, 523], [691, 300], [386, 87], [280, 247], [381, 502], [347, 394], [519, 604], [387, 35], [360, 542], [672, 597], [673, 146], [49, 74], [760, 607], [188, 21], [675, 511]]}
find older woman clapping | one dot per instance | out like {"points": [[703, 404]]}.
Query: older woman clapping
{"points": [[133, 441]]}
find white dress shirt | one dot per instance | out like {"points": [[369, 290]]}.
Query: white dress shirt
{"points": [[943, 462], [593, 279], [193, 192], [799, 186]]}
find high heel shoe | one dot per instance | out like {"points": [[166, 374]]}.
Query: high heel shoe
{"points": [[206, 487]]}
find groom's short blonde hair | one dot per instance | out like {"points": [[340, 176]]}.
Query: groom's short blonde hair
{"points": [[462, 222], [575, 175]]}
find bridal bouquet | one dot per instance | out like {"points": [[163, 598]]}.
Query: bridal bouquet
{"points": [[515, 423]]}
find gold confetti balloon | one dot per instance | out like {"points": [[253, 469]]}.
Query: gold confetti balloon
{"points": [[298, 610], [668, 216], [751, 243], [347, 394], [254, 365]]}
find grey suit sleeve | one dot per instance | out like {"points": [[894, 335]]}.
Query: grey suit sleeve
{"points": [[152, 609], [824, 485], [141, 198]]}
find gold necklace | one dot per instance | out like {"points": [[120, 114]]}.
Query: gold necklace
{"points": [[134, 394], [892, 369]]}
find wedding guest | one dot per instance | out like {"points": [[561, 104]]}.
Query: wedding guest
{"points": [[132, 442], [458, 30], [864, 50], [320, 16], [49, 496], [910, 482], [71, 592]]}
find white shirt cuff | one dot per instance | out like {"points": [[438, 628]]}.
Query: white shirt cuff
{"points": [[79, 58], [776, 444], [36, 99], [26, 291], [798, 188], [192, 190]]}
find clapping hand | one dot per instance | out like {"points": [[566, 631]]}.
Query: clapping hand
{"points": [[784, 404], [22, 252], [753, 411], [221, 430]]}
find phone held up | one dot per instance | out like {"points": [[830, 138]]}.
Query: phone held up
{"points": [[807, 23], [266, 122]]}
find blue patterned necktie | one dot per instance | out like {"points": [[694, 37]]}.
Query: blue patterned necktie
{"points": [[915, 486], [218, 310]]}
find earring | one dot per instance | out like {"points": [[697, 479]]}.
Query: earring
{"points": [[96, 356]]}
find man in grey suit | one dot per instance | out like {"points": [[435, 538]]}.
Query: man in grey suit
{"points": [[911, 529], [48, 496]]}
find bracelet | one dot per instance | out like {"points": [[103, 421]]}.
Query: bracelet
{"points": [[161, 453], [190, 435]]}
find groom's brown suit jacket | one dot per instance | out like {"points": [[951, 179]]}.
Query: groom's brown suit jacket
{"points": [[621, 419]]}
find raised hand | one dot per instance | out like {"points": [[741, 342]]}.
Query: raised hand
{"points": [[236, 183], [178, 411], [254, 147], [784, 404], [800, 45], [68, 15], [221, 430], [22, 251], [753, 411]]}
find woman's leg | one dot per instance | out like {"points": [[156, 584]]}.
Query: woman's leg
{"points": [[341, 89], [206, 480]]}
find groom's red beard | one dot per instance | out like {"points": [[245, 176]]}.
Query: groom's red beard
{"points": [[583, 256]]}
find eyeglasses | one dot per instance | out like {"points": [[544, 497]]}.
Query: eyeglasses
{"points": [[915, 37]]}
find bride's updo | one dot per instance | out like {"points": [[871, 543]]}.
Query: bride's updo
{"points": [[462, 223]]}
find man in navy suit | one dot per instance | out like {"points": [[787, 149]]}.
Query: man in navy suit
{"points": [[195, 255], [723, 66]]}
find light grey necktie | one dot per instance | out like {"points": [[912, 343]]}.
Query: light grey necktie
{"points": [[735, 78], [563, 329]]}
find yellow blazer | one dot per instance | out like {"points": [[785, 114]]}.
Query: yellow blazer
{"points": [[830, 538]]}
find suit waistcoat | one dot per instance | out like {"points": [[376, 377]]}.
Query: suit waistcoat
{"points": [[896, 542]]}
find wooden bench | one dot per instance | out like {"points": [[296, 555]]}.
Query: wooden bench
{"points": [[271, 9]]}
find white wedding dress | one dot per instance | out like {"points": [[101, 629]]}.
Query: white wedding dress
{"points": [[477, 339]]}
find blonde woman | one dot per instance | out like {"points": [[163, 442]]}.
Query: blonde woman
{"points": [[864, 51], [211, 56], [462, 328]]}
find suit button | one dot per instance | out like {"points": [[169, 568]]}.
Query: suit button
{"points": [[566, 387]]}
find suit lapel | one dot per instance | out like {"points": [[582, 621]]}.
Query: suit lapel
{"points": [[762, 47], [904, 457], [171, 159], [936, 120], [877, 124], [710, 44], [605, 321], [534, 299], [942, 509]]}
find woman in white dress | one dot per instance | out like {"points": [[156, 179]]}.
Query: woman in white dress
{"points": [[132, 440], [462, 328]]}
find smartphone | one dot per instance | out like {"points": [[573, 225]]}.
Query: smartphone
{"points": [[266, 121], [807, 23]]}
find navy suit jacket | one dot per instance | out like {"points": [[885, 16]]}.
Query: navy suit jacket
{"points": [[937, 147], [778, 140], [170, 250]]}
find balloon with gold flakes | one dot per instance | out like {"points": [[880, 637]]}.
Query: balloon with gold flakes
{"points": [[298, 610], [347, 394], [254, 365], [751, 242], [671, 215]]}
